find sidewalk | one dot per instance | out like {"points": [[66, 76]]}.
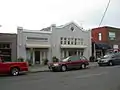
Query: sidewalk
{"points": [[39, 68], [93, 64]]}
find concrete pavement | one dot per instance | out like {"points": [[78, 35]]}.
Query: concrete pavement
{"points": [[101, 78], [38, 68]]}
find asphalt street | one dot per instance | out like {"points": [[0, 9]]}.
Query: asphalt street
{"points": [[100, 78]]}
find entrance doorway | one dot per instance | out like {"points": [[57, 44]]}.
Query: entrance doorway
{"points": [[72, 53], [37, 57]]}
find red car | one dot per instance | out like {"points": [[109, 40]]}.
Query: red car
{"points": [[13, 68], [72, 62]]}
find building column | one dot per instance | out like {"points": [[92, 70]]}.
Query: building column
{"points": [[77, 52], [62, 53], [67, 53], [33, 57], [40, 57]]}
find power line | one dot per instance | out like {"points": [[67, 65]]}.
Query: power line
{"points": [[104, 13]]}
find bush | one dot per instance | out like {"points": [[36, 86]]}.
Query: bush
{"points": [[29, 62], [92, 59], [45, 61], [54, 59], [20, 59]]}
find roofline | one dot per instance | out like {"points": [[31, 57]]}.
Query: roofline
{"points": [[105, 27], [9, 33], [36, 31], [68, 24], [62, 26]]}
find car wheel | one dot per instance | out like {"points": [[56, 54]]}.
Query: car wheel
{"points": [[99, 64], [110, 63], [63, 68], [14, 71], [83, 66]]}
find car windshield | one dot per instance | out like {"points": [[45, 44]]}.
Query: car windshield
{"points": [[107, 56], [66, 59]]}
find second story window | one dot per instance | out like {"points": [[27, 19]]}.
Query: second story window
{"points": [[61, 40], [78, 41], [81, 41], [75, 41], [65, 40], [100, 36], [112, 36], [72, 42], [68, 41]]}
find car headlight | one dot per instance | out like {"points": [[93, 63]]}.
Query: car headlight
{"points": [[56, 64], [105, 60]]}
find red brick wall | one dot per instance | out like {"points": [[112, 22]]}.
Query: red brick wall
{"points": [[101, 30]]}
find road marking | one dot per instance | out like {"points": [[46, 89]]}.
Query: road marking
{"points": [[91, 75]]}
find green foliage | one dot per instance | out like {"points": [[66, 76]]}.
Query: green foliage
{"points": [[45, 61], [20, 59], [54, 59]]}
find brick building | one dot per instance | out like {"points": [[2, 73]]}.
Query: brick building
{"points": [[105, 38]]}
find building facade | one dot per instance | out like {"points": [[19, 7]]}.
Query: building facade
{"points": [[106, 38], [8, 46], [58, 41]]}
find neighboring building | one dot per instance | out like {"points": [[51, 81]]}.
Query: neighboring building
{"points": [[59, 41], [8, 46], [105, 38]]}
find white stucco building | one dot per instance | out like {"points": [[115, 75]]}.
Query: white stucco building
{"points": [[59, 41]]}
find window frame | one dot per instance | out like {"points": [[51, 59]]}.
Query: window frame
{"points": [[99, 36]]}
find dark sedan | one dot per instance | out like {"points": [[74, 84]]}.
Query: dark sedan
{"points": [[110, 59]]}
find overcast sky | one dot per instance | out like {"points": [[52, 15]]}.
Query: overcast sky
{"points": [[38, 14]]}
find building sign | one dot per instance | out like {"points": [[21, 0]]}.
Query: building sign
{"points": [[115, 46], [37, 38], [112, 35]]}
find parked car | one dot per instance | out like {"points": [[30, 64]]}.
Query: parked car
{"points": [[110, 59], [13, 68], [71, 62]]}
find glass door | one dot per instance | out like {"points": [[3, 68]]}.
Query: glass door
{"points": [[37, 57]]}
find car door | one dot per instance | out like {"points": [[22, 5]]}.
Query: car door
{"points": [[82, 60], [0, 67], [73, 62], [117, 58], [4, 67]]}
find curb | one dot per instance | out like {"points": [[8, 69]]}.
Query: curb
{"points": [[38, 71]]}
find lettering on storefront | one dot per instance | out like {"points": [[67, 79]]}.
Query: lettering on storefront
{"points": [[37, 38]]}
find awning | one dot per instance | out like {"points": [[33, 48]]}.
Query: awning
{"points": [[37, 46], [102, 46], [73, 46]]}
